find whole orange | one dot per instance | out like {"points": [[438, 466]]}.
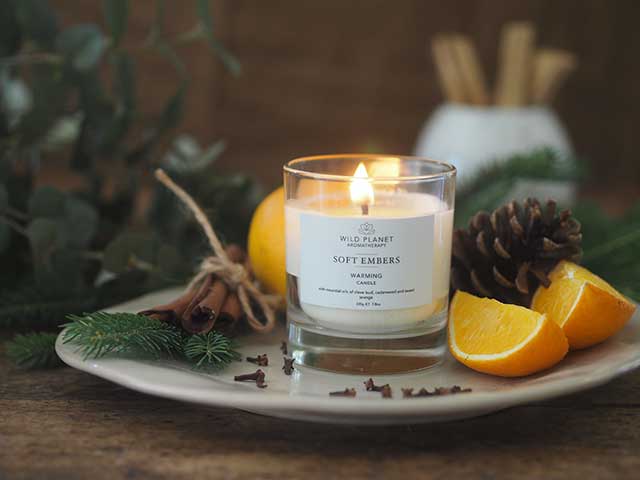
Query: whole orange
{"points": [[267, 245]]}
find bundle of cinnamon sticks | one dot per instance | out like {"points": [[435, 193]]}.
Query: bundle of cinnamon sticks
{"points": [[526, 74], [209, 304]]}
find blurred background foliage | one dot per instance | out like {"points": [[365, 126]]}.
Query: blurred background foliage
{"points": [[73, 95], [71, 92]]}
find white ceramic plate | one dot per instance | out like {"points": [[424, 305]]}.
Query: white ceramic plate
{"points": [[304, 395]]}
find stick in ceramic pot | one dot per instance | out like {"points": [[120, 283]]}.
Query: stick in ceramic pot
{"points": [[448, 73], [551, 67], [517, 43], [468, 65]]}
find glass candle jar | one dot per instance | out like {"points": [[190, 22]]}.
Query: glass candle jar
{"points": [[368, 241]]}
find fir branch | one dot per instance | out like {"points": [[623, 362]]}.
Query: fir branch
{"points": [[34, 350], [487, 189], [210, 351], [101, 333]]}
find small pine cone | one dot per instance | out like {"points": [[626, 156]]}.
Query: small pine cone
{"points": [[507, 254]]}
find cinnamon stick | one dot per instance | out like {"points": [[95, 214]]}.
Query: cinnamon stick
{"points": [[202, 292], [171, 312], [231, 310], [204, 314], [516, 52], [470, 70], [551, 67], [448, 73], [235, 253]]}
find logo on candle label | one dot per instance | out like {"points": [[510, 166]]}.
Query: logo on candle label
{"points": [[384, 264], [366, 229]]}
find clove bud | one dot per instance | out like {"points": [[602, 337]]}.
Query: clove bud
{"points": [[283, 347], [407, 392], [288, 365], [347, 392], [372, 387], [258, 376], [386, 391], [439, 391], [261, 360]]}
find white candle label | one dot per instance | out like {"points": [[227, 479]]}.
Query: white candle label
{"points": [[366, 263]]}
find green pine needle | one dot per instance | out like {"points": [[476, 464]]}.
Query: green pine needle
{"points": [[33, 350], [488, 188], [102, 333], [98, 334], [210, 351]]}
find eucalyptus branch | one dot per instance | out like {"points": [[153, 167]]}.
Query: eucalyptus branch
{"points": [[16, 213], [611, 246], [157, 27], [31, 58], [14, 225]]}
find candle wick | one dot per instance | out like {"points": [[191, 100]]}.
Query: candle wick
{"points": [[365, 209]]}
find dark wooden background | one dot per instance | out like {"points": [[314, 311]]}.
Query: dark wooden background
{"points": [[352, 75]]}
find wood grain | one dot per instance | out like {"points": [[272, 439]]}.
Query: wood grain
{"points": [[65, 424]]}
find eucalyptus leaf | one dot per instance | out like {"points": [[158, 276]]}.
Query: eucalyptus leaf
{"points": [[4, 198], [47, 201], [5, 236], [173, 110], [130, 250], [124, 93], [45, 234], [206, 21], [66, 267], [124, 80], [10, 35], [81, 222], [82, 46], [64, 131], [116, 15], [49, 94], [170, 262], [37, 20]]}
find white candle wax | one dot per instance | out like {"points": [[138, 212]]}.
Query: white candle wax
{"points": [[391, 211]]}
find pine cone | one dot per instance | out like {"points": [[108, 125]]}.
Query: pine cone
{"points": [[507, 254]]}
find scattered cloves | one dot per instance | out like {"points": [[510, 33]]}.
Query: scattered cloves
{"points": [[407, 392], [283, 347], [261, 360], [439, 391], [384, 389], [258, 376], [347, 392], [288, 365]]}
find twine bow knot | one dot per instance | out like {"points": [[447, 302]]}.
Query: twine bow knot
{"points": [[235, 275]]}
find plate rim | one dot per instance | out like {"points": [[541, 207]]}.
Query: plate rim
{"points": [[253, 399]]}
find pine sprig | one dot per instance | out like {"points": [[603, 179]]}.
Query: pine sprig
{"points": [[488, 188], [210, 351], [33, 350], [101, 333]]}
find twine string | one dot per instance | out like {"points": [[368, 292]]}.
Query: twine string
{"points": [[235, 275]]}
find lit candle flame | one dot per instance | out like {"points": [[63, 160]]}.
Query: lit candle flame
{"points": [[361, 189]]}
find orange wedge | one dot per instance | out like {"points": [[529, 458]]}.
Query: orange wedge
{"points": [[588, 309], [499, 339]]}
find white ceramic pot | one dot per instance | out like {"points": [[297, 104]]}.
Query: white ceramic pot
{"points": [[471, 137]]}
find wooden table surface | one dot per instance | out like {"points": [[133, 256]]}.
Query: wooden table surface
{"points": [[65, 424]]}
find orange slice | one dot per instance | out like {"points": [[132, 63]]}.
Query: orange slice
{"points": [[499, 339], [588, 309]]}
